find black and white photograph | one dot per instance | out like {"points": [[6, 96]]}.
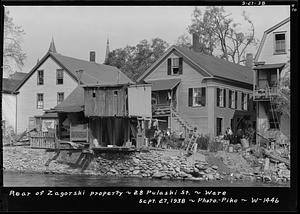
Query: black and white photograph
{"points": [[146, 96]]}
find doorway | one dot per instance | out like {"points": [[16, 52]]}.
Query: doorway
{"points": [[219, 126]]}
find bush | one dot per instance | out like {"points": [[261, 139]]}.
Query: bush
{"points": [[215, 146], [203, 142]]}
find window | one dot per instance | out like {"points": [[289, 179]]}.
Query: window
{"points": [[174, 66], [40, 101], [245, 98], [280, 43], [197, 96], [59, 77], [40, 78], [219, 126], [221, 97], [232, 99], [60, 97]]}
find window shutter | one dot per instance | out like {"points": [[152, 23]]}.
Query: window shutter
{"points": [[236, 93], [180, 65], [203, 95], [190, 97], [169, 66], [218, 95], [224, 97], [248, 102], [230, 99]]}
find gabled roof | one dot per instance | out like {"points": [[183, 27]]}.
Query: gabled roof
{"points": [[269, 66], [73, 103], [271, 29], [165, 84], [17, 76], [94, 73], [9, 85], [209, 65]]}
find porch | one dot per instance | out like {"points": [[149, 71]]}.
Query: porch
{"points": [[266, 81]]}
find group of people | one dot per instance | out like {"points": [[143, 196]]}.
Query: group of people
{"points": [[240, 133], [159, 136]]}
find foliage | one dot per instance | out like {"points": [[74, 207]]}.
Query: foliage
{"points": [[218, 33], [184, 41], [13, 55], [134, 60], [283, 100], [215, 145]]}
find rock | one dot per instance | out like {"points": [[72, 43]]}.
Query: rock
{"points": [[183, 175], [158, 175], [266, 178], [135, 172], [177, 169], [214, 167], [284, 173], [113, 171], [282, 166], [159, 165], [210, 177]]}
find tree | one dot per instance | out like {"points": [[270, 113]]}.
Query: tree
{"points": [[184, 41], [219, 35], [283, 99], [134, 60], [13, 55]]}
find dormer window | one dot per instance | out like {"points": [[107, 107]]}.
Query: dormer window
{"points": [[174, 66], [279, 43]]}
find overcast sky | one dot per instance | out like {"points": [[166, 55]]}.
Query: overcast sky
{"points": [[77, 30]]}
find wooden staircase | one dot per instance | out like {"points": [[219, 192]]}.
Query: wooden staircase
{"points": [[187, 127]]}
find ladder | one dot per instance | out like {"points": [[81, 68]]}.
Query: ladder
{"points": [[192, 143], [274, 114]]}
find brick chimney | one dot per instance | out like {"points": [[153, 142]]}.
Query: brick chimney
{"points": [[196, 43], [92, 56], [249, 60]]}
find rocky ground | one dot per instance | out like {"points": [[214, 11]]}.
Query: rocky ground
{"points": [[164, 164]]}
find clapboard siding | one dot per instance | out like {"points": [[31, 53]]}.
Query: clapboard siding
{"points": [[190, 78], [267, 52], [9, 102], [105, 102], [26, 105]]}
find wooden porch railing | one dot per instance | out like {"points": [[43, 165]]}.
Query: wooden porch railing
{"points": [[265, 93]]}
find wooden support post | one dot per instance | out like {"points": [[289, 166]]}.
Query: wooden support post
{"points": [[53, 158]]}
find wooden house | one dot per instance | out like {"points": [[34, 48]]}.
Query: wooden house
{"points": [[52, 79], [9, 99], [191, 89], [109, 114], [271, 65]]}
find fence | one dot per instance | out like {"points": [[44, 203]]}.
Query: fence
{"points": [[44, 140]]}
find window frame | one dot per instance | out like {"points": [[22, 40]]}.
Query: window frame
{"points": [[244, 101], [57, 76], [38, 105], [221, 99], [63, 95], [173, 66], [199, 97], [279, 51], [232, 101], [40, 77]]}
